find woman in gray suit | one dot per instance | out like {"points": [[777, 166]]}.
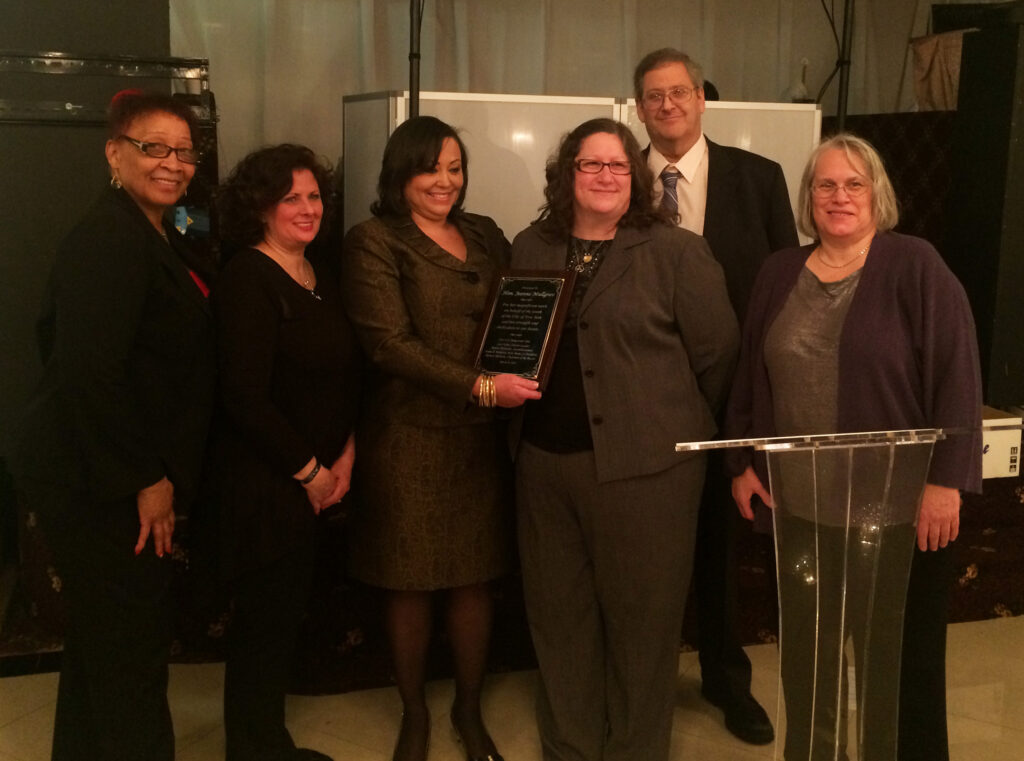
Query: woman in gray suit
{"points": [[607, 510]]}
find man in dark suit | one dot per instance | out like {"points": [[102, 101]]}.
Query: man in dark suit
{"points": [[738, 201]]}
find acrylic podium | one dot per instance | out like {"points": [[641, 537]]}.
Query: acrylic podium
{"points": [[844, 518]]}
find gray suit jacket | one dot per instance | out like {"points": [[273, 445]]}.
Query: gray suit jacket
{"points": [[657, 340]]}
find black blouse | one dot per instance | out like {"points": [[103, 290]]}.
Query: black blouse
{"points": [[559, 421], [289, 389]]}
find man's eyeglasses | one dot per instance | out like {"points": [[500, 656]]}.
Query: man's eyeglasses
{"points": [[161, 151], [827, 188], [592, 166], [677, 95]]}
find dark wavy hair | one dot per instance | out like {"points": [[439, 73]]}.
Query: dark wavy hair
{"points": [[259, 181], [128, 105], [413, 149], [556, 215]]}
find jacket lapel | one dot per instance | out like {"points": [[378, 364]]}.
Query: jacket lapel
{"points": [[721, 184], [164, 252], [407, 231], [618, 259], [549, 255], [180, 273]]}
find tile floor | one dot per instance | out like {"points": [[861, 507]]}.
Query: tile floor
{"points": [[986, 706]]}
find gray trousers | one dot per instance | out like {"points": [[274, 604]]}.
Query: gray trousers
{"points": [[606, 568]]}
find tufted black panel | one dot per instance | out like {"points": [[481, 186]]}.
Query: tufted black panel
{"points": [[916, 149]]}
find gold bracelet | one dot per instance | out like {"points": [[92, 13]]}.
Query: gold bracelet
{"points": [[488, 393]]}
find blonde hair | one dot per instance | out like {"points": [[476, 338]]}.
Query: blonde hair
{"points": [[884, 208]]}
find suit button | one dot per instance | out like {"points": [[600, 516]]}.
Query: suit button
{"points": [[584, 325], [597, 420], [589, 373], [472, 277]]}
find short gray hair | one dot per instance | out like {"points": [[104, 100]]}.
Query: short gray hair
{"points": [[658, 58], [883, 198]]}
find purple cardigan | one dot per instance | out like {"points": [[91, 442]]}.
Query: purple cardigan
{"points": [[908, 356]]}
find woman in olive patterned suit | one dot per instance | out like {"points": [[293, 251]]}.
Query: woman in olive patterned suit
{"points": [[433, 469]]}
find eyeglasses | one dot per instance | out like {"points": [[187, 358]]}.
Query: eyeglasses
{"points": [[592, 166], [827, 188], [677, 95], [161, 151]]}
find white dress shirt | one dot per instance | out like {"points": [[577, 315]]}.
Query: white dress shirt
{"points": [[692, 187]]}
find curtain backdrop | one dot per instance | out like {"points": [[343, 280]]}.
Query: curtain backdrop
{"points": [[279, 68]]}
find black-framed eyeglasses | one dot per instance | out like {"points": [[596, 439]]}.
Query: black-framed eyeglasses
{"points": [[161, 151], [677, 95], [593, 166], [827, 188]]}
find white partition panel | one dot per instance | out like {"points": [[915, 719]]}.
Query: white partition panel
{"points": [[508, 137]]}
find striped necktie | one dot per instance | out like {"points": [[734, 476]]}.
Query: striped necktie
{"points": [[669, 199]]}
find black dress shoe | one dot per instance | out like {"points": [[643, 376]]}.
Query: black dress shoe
{"points": [[744, 717]]}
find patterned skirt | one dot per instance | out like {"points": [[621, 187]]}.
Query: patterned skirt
{"points": [[435, 506]]}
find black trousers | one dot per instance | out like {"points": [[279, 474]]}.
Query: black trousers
{"points": [[724, 666], [112, 699], [269, 604], [837, 584], [922, 732]]}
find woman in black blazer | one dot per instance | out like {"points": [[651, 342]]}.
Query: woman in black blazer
{"points": [[115, 433]]}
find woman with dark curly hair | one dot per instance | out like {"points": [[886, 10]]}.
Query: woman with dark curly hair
{"points": [[607, 510], [434, 472], [289, 373]]}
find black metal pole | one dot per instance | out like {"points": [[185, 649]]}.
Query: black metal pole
{"points": [[844, 65], [415, 20]]}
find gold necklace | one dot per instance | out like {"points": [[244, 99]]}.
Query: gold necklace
{"points": [[583, 254], [850, 261]]}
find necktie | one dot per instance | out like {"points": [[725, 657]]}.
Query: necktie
{"points": [[669, 199]]}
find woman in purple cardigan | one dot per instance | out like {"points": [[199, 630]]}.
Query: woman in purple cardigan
{"points": [[865, 329]]}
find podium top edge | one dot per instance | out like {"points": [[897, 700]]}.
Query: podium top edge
{"points": [[825, 440]]}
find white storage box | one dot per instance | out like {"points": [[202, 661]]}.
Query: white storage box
{"points": [[1001, 449]]}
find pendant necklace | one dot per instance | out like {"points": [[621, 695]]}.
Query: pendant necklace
{"points": [[307, 282], [850, 261], [583, 255]]}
